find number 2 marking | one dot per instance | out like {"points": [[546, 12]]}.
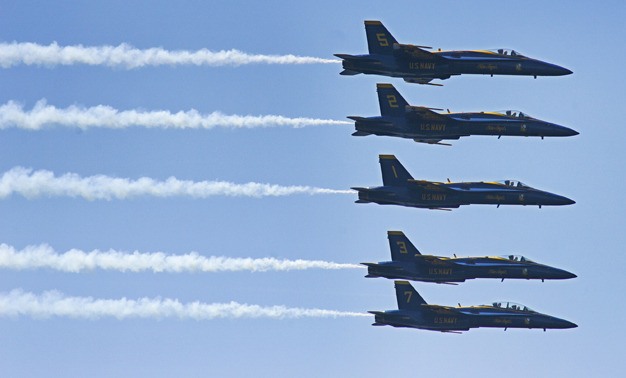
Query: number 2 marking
{"points": [[393, 101]]}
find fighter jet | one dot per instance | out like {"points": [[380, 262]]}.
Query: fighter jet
{"points": [[409, 264], [414, 312], [415, 64], [399, 188], [424, 125]]}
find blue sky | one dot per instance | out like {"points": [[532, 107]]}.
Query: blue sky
{"points": [[586, 238]]}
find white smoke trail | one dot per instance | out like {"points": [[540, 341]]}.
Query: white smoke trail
{"points": [[52, 303], [33, 184], [129, 57], [75, 260], [12, 114]]}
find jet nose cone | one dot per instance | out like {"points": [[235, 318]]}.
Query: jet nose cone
{"points": [[563, 131], [554, 70], [564, 274], [560, 200], [568, 324], [559, 71]]}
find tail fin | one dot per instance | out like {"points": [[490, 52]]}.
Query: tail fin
{"points": [[379, 40], [390, 100], [394, 174], [408, 298], [401, 247]]}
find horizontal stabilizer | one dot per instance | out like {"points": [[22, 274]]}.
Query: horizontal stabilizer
{"points": [[370, 120], [348, 73], [360, 133], [376, 312], [359, 58]]}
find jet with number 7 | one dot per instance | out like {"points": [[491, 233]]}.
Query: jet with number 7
{"points": [[424, 125], [400, 188], [414, 312], [409, 264], [415, 64]]}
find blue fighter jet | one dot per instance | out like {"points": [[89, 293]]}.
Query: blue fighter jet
{"points": [[415, 64], [409, 264], [414, 312], [400, 188], [424, 125]]}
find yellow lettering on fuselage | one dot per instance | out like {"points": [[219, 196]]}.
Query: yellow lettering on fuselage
{"points": [[494, 197], [440, 271], [433, 126], [433, 197], [496, 128], [421, 66], [487, 67], [445, 320]]}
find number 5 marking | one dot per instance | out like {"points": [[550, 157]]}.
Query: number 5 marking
{"points": [[382, 40]]}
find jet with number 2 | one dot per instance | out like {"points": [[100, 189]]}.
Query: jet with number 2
{"points": [[400, 188], [415, 64], [424, 125], [409, 264], [414, 312]]}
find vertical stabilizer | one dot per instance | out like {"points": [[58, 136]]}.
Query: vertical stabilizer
{"points": [[390, 100], [401, 247], [394, 174], [379, 40], [408, 298]]}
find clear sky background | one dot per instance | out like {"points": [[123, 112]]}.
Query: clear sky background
{"points": [[587, 238]]}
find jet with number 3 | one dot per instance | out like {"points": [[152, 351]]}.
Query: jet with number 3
{"points": [[409, 264], [424, 125], [415, 64], [414, 312], [400, 188]]}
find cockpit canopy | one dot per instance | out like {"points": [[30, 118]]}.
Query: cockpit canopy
{"points": [[515, 183], [517, 258], [512, 306], [513, 113], [509, 52]]}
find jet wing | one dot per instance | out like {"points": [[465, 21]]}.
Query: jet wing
{"points": [[416, 52], [430, 185], [425, 112]]}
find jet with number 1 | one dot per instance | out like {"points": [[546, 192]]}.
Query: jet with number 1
{"points": [[409, 264], [400, 188], [414, 312], [415, 64], [424, 125]]}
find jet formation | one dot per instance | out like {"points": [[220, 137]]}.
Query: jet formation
{"points": [[409, 264], [425, 125], [414, 312], [415, 64], [400, 188]]}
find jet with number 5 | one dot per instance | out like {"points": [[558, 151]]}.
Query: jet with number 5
{"points": [[414, 312], [409, 264], [400, 188], [424, 125], [415, 64]]}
